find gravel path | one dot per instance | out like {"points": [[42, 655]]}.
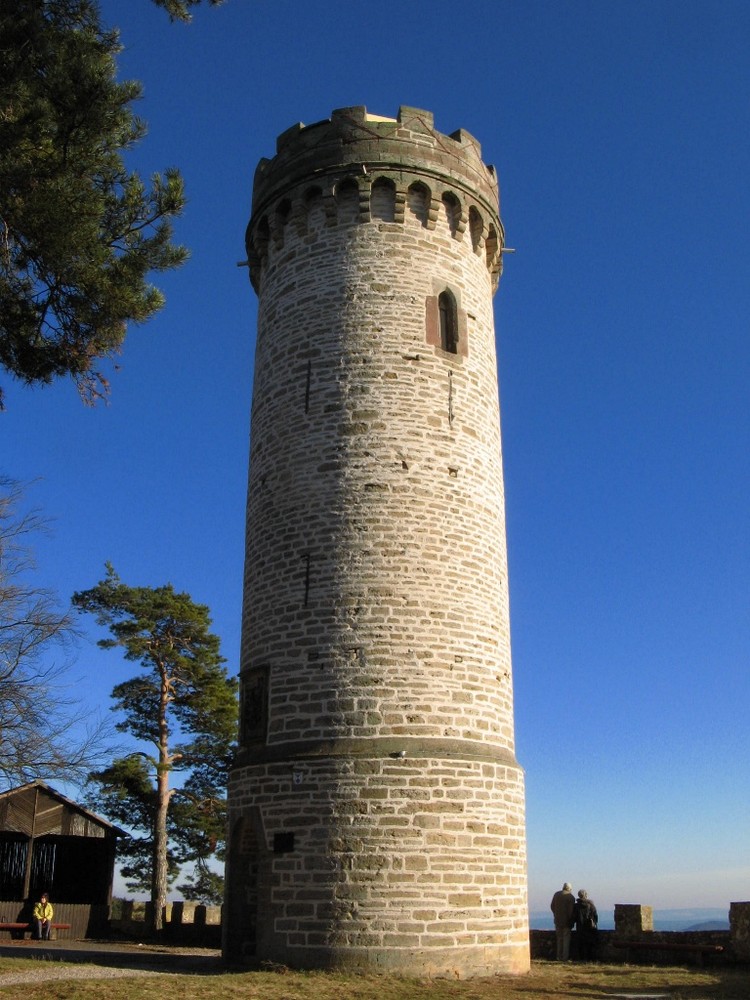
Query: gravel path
{"points": [[101, 960], [43, 972]]}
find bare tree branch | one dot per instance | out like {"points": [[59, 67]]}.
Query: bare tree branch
{"points": [[44, 731]]}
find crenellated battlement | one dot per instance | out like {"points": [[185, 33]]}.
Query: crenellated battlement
{"points": [[361, 168]]}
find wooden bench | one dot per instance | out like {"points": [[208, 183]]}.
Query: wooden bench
{"points": [[696, 948], [27, 928]]}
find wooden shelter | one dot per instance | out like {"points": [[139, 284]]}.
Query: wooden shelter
{"points": [[49, 843]]}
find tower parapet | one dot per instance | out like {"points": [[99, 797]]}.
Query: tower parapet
{"points": [[376, 807], [368, 168]]}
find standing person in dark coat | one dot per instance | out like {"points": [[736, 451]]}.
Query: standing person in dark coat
{"points": [[587, 921], [563, 909]]}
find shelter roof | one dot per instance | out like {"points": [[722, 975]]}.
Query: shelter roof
{"points": [[36, 809]]}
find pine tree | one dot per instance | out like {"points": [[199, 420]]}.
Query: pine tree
{"points": [[179, 10], [79, 234], [184, 707]]}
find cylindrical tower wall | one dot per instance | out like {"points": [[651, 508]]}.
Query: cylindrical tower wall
{"points": [[377, 814]]}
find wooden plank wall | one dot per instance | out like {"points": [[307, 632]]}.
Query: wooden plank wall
{"points": [[86, 920]]}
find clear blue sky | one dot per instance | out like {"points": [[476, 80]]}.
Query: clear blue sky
{"points": [[621, 134]]}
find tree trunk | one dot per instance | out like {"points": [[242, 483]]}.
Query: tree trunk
{"points": [[159, 886], [159, 875]]}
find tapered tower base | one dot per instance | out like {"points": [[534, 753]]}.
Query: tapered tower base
{"points": [[412, 864]]}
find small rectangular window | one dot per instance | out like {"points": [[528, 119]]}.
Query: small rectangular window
{"points": [[283, 842]]}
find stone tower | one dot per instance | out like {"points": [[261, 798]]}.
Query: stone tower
{"points": [[376, 809]]}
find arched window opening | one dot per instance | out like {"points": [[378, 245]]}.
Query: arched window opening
{"points": [[347, 201], [491, 247], [418, 200], [315, 216], [448, 322], [244, 867], [262, 236], [283, 211], [383, 200], [476, 228], [452, 209]]}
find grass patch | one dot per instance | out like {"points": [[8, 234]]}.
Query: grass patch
{"points": [[545, 981]]}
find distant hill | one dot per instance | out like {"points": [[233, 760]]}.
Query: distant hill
{"points": [[709, 925], [541, 920], [693, 919]]}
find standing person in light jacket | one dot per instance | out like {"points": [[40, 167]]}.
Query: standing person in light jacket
{"points": [[43, 914], [563, 910]]}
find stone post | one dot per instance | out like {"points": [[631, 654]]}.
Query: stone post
{"points": [[183, 913], [632, 920], [739, 930]]}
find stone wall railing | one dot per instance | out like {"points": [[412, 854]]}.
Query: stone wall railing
{"points": [[184, 923], [634, 940]]}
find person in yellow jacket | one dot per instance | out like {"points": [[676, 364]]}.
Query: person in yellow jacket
{"points": [[43, 914]]}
